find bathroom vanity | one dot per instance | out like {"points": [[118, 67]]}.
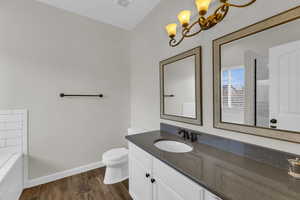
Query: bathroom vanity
{"points": [[150, 179], [205, 173]]}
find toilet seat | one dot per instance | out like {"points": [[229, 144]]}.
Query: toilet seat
{"points": [[115, 155]]}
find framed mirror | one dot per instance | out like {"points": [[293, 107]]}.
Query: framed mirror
{"points": [[181, 87], [257, 78]]}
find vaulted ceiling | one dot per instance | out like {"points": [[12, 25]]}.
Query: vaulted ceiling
{"points": [[125, 14]]}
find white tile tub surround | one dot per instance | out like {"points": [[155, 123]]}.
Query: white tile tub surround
{"points": [[13, 149], [13, 130]]}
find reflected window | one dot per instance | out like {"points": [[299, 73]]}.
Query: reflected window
{"points": [[233, 94]]}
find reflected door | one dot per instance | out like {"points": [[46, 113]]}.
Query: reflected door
{"points": [[285, 86]]}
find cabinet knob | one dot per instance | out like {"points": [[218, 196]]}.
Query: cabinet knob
{"points": [[152, 180], [147, 175]]}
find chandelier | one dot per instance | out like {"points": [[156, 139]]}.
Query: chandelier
{"points": [[204, 23]]}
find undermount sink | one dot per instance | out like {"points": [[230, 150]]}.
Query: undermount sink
{"points": [[173, 146]]}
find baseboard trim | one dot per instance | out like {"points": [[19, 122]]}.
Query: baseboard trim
{"points": [[63, 174]]}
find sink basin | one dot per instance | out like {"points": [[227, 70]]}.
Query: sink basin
{"points": [[173, 146]]}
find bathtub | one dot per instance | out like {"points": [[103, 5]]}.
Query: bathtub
{"points": [[11, 175]]}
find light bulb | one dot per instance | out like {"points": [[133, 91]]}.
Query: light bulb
{"points": [[184, 17], [171, 30], [202, 6]]}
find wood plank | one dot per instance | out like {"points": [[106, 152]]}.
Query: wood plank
{"points": [[31, 194], [94, 183], [85, 186]]}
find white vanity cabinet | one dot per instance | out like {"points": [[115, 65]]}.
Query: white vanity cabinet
{"points": [[151, 179], [140, 171], [139, 184]]}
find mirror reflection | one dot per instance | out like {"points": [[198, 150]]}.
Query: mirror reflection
{"points": [[179, 88], [260, 79]]}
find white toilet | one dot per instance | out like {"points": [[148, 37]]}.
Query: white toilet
{"points": [[116, 162]]}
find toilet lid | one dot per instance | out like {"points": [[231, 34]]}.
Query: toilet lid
{"points": [[115, 154]]}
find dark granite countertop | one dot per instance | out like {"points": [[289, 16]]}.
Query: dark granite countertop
{"points": [[227, 175]]}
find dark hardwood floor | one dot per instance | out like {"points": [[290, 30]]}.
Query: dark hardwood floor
{"points": [[85, 186]]}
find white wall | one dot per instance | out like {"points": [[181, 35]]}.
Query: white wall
{"points": [[45, 51], [150, 45]]}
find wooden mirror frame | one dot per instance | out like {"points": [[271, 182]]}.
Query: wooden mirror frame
{"points": [[269, 23], [198, 86]]}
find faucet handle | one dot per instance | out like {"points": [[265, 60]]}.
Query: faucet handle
{"points": [[181, 131], [187, 135], [194, 137]]}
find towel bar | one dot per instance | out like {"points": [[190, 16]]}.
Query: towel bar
{"points": [[80, 95]]}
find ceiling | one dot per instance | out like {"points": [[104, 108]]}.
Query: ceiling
{"points": [[114, 12]]}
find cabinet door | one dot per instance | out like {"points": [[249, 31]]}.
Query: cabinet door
{"points": [[177, 182], [140, 187], [164, 192]]}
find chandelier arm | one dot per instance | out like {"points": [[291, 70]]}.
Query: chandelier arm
{"points": [[193, 34], [225, 13], [186, 30], [219, 14], [174, 43], [240, 6], [224, 10]]}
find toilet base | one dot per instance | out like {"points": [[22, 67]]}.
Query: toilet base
{"points": [[116, 174]]}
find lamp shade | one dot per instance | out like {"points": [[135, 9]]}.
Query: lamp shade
{"points": [[202, 6], [171, 30], [184, 17]]}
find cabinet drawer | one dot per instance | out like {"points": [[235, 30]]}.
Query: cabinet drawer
{"points": [[183, 186], [143, 157]]}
